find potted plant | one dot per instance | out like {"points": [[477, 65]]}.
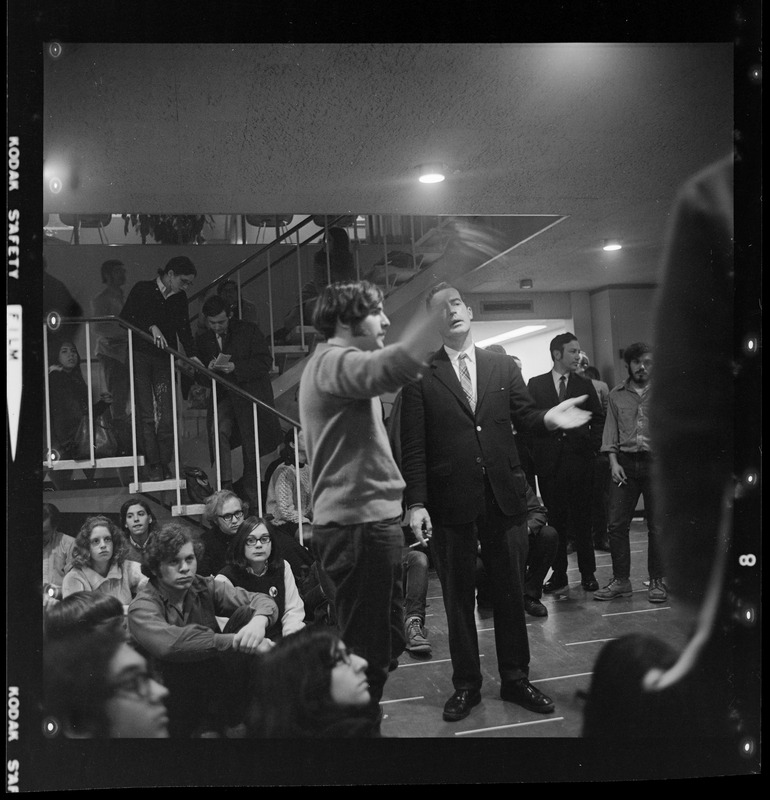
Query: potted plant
{"points": [[168, 228]]}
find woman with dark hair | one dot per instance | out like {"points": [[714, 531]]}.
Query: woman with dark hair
{"points": [[309, 686], [68, 397], [99, 562], [137, 522], [253, 564], [159, 308], [340, 267], [82, 611], [97, 686]]}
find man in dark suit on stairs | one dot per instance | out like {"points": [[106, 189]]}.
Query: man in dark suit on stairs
{"points": [[464, 485], [564, 462], [248, 368]]}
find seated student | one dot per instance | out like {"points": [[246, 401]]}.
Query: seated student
{"points": [[253, 565], [137, 521], [80, 612], [173, 619], [68, 395], [309, 686], [99, 562], [543, 541], [283, 509], [223, 515], [68, 402], [415, 563], [57, 555], [97, 686]]}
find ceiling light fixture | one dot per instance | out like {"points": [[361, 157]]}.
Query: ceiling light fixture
{"points": [[431, 173], [525, 283], [612, 244]]}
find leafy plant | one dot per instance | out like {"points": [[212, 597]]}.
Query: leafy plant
{"points": [[169, 228]]}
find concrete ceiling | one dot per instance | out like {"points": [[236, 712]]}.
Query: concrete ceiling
{"points": [[597, 137]]}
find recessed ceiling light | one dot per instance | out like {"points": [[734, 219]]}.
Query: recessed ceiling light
{"points": [[612, 244], [431, 173], [525, 283]]}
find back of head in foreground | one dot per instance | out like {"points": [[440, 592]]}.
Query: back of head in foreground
{"points": [[291, 695]]}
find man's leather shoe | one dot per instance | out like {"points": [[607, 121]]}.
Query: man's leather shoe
{"points": [[525, 694], [460, 704], [589, 583], [534, 607]]}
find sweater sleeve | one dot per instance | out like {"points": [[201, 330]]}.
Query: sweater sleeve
{"points": [[353, 373], [294, 612], [165, 641]]}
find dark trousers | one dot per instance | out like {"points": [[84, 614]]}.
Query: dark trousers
{"points": [[623, 500], [236, 417], [209, 694], [566, 494], [360, 571], [415, 563], [542, 551], [116, 377], [154, 410], [600, 492], [503, 552]]}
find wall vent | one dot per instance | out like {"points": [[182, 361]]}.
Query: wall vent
{"points": [[507, 306]]}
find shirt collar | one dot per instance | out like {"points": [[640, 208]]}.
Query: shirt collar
{"points": [[163, 290], [469, 351]]}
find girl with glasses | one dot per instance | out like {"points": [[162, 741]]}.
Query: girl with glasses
{"points": [[254, 565], [99, 562], [97, 686], [309, 686]]}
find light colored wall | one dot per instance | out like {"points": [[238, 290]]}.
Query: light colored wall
{"points": [[621, 315]]}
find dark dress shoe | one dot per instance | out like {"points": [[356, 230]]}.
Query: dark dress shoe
{"points": [[525, 694], [557, 585], [460, 704], [534, 607], [589, 583]]}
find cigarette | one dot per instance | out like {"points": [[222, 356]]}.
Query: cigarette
{"points": [[416, 544]]}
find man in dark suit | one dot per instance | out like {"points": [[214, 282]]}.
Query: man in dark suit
{"points": [[564, 462], [462, 474], [248, 368]]}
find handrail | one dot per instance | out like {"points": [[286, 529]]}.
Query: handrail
{"points": [[246, 260], [260, 252], [182, 357]]}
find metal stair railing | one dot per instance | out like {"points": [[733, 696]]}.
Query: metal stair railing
{"points": [[175, 356]]}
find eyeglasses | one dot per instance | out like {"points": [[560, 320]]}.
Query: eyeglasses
{"points": [[137, 684], [229, 517], [344, 655], [251, 541]]}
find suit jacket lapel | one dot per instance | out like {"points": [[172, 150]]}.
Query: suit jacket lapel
{"points": [[483, 374]]}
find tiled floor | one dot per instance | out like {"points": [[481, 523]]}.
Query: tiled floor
{"points": [[563, 646]]}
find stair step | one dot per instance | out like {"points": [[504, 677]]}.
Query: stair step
{"points": [[190, 510], [157, 486], [99, 463]]}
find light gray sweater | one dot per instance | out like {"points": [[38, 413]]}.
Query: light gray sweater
{"points": [[353, 475]]}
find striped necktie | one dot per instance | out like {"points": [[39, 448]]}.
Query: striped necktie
{"points": [[465, 380], [562, 388]]}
